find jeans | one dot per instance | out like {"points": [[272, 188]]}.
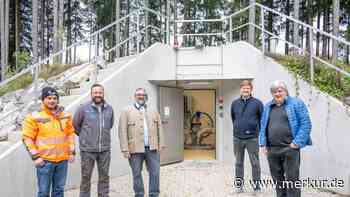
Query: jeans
{"points": [[252, 146], [284, 165], [87, 165], [152, 159], [52, 175]]}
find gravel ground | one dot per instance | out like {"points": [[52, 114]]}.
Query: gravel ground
{"points": [[193, 179]]}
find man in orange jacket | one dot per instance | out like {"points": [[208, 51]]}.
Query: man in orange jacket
{"points": [[48, 137]]}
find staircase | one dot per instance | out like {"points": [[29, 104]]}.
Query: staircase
{"points": [[75, 93]]}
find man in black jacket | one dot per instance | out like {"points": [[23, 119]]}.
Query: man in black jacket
{"points": [[246, 114]]}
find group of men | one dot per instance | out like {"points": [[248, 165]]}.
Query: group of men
{"points": [[280, 128], [48, 136]]}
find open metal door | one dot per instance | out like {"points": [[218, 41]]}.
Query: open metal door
{"points": [[171, 103]]}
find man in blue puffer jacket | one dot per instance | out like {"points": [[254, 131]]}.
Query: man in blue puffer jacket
{"points": [[285, 129]]}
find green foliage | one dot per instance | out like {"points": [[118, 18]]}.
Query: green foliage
{"points": [[23, 59], [20, 83], [325, 77], [26, 79]]}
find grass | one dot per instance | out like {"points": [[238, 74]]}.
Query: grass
{"points": [[326, 79], [26, 79]]}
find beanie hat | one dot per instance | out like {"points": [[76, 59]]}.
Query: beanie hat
{"points": [[49, 91]]}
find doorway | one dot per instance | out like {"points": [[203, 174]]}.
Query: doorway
{"points": [[199, 124]]}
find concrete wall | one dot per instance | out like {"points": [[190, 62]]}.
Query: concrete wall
{"points": [[240, 61], [230, 90], [234, 61], [17, 171], [328, 158], [205, 56]]}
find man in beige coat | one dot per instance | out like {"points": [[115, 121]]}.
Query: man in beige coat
{"points": [[141, 139]]}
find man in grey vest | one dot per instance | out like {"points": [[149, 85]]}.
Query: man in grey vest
{"points": [[93, 122], [141, 139]]}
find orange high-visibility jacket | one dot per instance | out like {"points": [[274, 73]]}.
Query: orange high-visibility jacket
{"points": [[49, 136]]}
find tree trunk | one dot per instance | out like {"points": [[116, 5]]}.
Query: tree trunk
{"points": [[347, 55], [42, 30], [336, 8], [286, 50], [270, 24], [296, 25], [329, 30], [60, 27], [2, 39], [147, 31], [69, 32], [35, 30], [347, 58], [251, 34], [47, 16], [127, 27], [325, 29], [117, 35], [55, 29], [7, 26], [303, 19], [318, 34], [4, 26], [17, 30], [310, 22], [175, 18]]}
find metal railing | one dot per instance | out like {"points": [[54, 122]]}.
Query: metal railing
{"points": [[227, 36], [93, 40], [312, 32]]}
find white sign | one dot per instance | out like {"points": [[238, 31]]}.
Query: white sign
{"points": [[167, 111]]}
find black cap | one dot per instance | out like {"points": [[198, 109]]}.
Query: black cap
{"points": [[48, 91]]}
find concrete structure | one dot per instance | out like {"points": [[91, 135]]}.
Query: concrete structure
{"points": [[221, 68]]}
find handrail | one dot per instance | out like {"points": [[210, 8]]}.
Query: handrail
{"points": [[82, 67], [238, 12], [200, 34], [223, 19], [264, 31], [304, 24], [236, 28], [276, 36], [60, 52], [130, 37], [92, 35]]}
